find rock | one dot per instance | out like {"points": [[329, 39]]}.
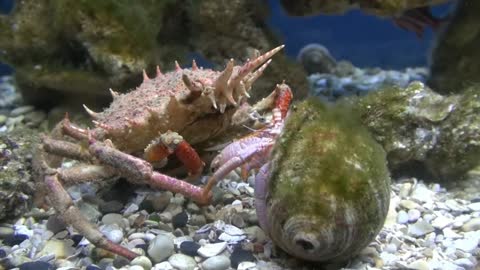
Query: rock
{"points": [[37, 265], [402, 217], [250, 266], [160, 248], [3, 119], [189, 248], [119, 262], [420, 228], [255, 234], [61, 248], [55, 224], [467, 244], [182, 262], [114, 218], [21, 110], [240, 255], [112, 232], [419, 265], [136, 267], [6, 232], [413, 215], [93, 267], [142, 261], [315, 58], [163, 266], [112, 206], [197, 220], [180, 220], [210, 250], [216, 263], [471, 225], [441, 222]]}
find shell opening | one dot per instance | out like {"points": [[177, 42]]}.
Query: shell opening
{"points": [[306, 242]]}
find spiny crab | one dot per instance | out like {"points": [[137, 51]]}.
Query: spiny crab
{"points": [[165, 115]]}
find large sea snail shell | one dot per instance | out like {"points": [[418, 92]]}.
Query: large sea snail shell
{"points": [[329, 186]]}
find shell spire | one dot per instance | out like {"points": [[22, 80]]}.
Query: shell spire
{"points": [[177, 66], [159, 72], [113, 93], [194, 65]]}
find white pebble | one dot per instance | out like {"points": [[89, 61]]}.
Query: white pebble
{"points": [[160, 248], [402, 217], [413, 215], [210, 250], [163, 266], [216, 263], [182, 262], [142, 261]]}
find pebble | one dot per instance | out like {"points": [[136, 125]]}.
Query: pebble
{"points": [[3, 119], [240, 255], [216, 263], [6, 232], [182, 262], [402, 217], [413, 215], [441, 222], [21, 110], [180, 220], [113, 233], [420, 228], [142, 261], [189, 248], [37, 265], [210, 250], [249, 266], [471, 225], [419, 265], [163, 266], [112, 206], [60, 248], [160, 248], [137, 267]]}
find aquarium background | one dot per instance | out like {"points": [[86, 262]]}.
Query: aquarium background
{"points": [[364, 40]]}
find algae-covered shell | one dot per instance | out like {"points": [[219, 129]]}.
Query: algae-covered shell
{"points": [[329, 186]]}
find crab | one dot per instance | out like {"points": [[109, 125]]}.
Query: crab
{"points": [[134, 136]]}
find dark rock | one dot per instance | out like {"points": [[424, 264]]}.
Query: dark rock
{"points": [[93, 267], [180, 220], [55, 224], [15, 239], [3, 254], [189, 248], [120, 262], [38, 265], [76, 238], [113, 206], [240, 255]]}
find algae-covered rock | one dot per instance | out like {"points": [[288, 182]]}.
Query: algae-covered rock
{"points": [[78, 49], [82, 47], [455, 56], [329, 186], [16, 185], [424, 131]]}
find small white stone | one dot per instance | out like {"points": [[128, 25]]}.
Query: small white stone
{"points": [[413, 215], [419, 265], [408, 204], [142, 261], [471, 225], [246, 266], [455, 206], [402, 217], [163, 266], [474, 206], [216, 263], [422, 194], [465, 263], [441, 222], [136, 267], [467, 245], [210, 250], [420, 228], [160, 248], [182, 262]]}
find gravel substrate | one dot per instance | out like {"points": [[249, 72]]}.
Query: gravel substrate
{"points": [[428, 227]]}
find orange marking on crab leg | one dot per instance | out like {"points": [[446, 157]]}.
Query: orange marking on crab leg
{"points": [[283, 99], [190, 158], [156, 153]]}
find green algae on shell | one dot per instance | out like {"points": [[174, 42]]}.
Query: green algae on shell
{"points": [[329, 187]]}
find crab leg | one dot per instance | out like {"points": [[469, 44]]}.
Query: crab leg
{"points": [[65, 149], [85, 173], [140, 171], [70, 214]]}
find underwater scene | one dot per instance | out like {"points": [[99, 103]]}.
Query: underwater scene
{"points": [[254, 134]]}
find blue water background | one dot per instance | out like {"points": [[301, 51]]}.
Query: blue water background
{"points": [[366, 41]]}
